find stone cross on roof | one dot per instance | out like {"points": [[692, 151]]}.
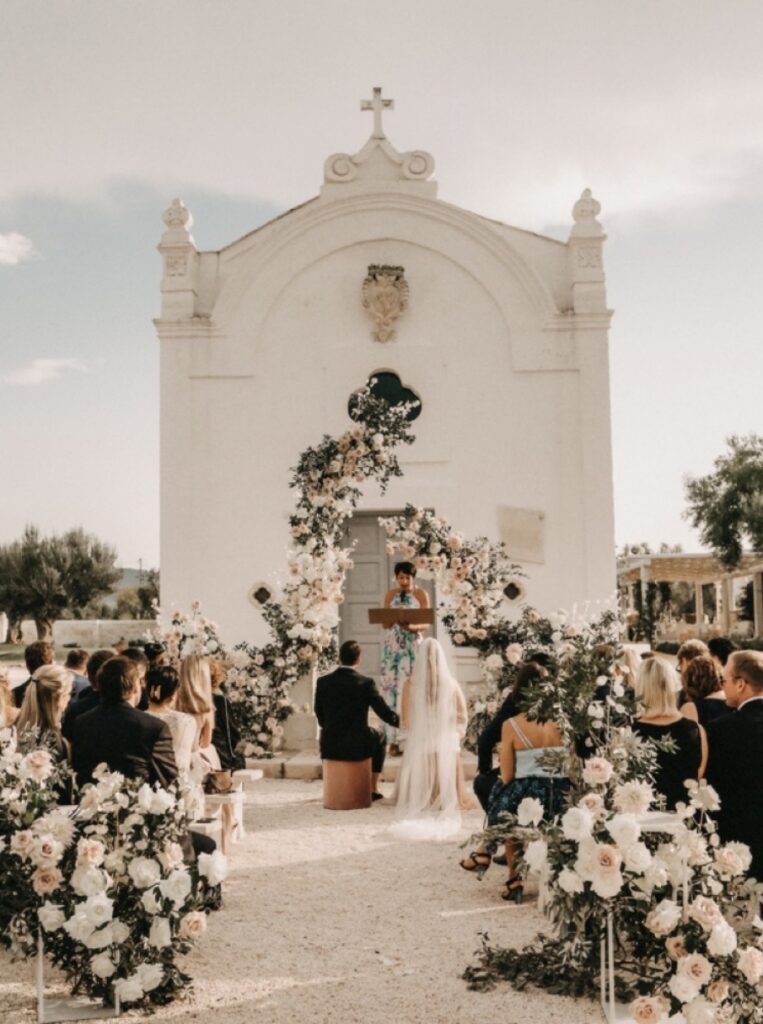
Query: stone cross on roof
{"points": [[377, 104]]}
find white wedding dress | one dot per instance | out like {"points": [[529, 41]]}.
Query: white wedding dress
{"points": [[428, 798]]}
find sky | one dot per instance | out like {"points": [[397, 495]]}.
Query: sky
{"points": [[113, 107]]}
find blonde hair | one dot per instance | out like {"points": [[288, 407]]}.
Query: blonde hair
{"points": [[48, 691], [656, 686], [748, 665], [5, 696], [217, 673], [630, 661], [195, 691]]}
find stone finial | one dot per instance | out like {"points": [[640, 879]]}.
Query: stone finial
{"points": [[377, 105], [179, 221], [584, 213]]}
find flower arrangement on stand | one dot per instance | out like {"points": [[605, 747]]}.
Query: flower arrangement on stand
{"points": [[106, 884], [677, 898]]}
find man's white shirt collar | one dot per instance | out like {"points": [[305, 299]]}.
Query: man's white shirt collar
{"points": [[749, 701]]}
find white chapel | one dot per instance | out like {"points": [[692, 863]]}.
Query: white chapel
{"points": [[502, 335]]}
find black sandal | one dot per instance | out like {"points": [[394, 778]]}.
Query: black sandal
{"points": [[514, 891], [480, 862]]}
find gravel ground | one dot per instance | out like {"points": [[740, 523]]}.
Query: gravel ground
{"points": [[327, 918]]}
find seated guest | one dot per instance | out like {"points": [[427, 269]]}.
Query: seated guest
{"points": [[76, 662], [39, 721], [705, 699], [343, 699], [688, 650], [136, 655], [660, 718], [156, 653], [521, 775], [195, 698], [89, 698], [225, 735], [35, 655], [8, 710], [117, 734], [735, 765], [490, 736], [720, 647], [162, 684]]}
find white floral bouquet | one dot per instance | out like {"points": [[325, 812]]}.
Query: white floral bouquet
{"points": [[107, 884]]}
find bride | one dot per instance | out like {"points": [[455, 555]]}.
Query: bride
{"points": [[430, 789]]}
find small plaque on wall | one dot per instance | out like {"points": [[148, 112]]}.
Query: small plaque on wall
{"points": [[522, 530]]}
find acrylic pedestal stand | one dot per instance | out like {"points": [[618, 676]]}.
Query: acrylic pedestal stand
{"points": [[667, 822], [51, 1011]]}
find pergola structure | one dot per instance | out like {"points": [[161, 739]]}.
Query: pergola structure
{"points": [[699, 569]]}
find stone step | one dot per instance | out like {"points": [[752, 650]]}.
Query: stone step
{"points": [[307, 765]]}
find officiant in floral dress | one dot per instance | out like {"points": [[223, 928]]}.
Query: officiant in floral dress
{"points": [[400, 644]]}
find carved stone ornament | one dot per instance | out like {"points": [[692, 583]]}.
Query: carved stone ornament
{"points": [[385, 297]]}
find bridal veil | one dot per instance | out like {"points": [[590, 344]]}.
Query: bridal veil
{"points": [[427, 792]]}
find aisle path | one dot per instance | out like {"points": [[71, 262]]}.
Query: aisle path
{"points": [[328, 919]]}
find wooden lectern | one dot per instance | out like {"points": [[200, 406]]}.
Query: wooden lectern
{"points": [[400, 616]]}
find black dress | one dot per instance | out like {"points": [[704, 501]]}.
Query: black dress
{"points": [[674, 768], [710, 708]]}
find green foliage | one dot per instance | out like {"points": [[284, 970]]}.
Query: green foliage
{"points": [[726, 506], [128, 603], [47, 578]]}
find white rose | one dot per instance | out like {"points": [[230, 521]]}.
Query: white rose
{"points": [[120, 932], [193, 925], [648, 1009], [751, 964], [177, 885], [129, 989], [728, 862], [213, 867], [723, 940], [144, 797], [101, 938], [58, 824], [494, 663], [513, 653], [22, 843], [161, 802], [570, 881], [699, 1011], [607, 884], [98, 909], [79, 927], [597, 771], [90, 852], [530, 811], [683, 988], [171, 856], [593, 803], [624, 829], [536, 855], [37, 765], [150, 902], [633, 797], [656, 875], [696, 967], [144, 871], [102, 965], [159, 934], [637, 858], [577, 823], [663, 918], [705, 912], [150, 976], [51, 916], [88, 881], [47, 851], [703, 797]]}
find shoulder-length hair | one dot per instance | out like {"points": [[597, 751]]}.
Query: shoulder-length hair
{"points": [[656, 686], [48, 691], [701, 677], [195, 692]]}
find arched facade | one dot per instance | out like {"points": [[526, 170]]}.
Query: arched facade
{"points": [[504, 337]]}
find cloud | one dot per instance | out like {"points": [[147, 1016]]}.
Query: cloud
{"points": [[15, 248], [40, 371]]}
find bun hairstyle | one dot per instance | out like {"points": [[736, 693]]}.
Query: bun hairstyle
{"points": [[162, 682]]}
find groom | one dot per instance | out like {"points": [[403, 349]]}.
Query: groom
{"points": [[342, 700]]}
